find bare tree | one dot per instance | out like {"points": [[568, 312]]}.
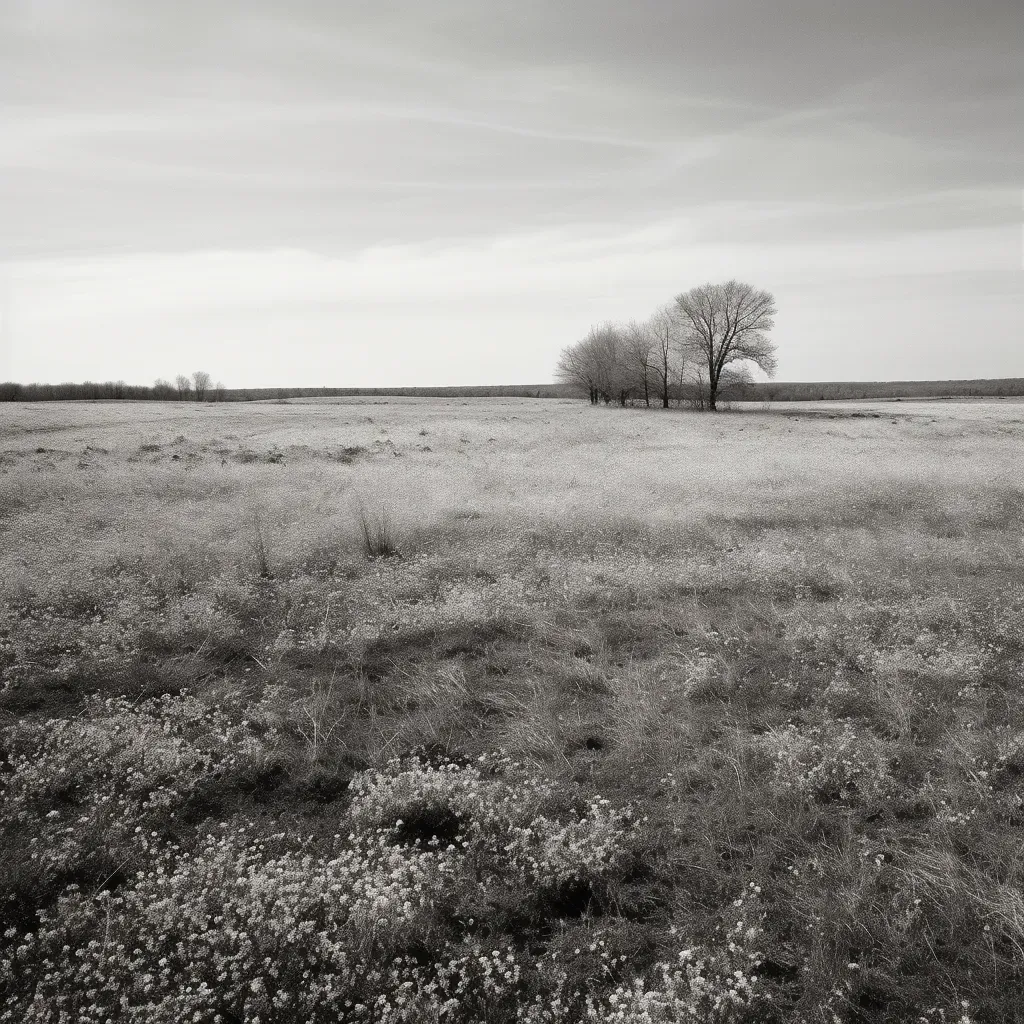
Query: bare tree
{"points": [[639, 353], [577, 369], [597, 365], [725, 324], [201, 382], [218, 392], [163, 389], [668, 357], [183, 386], [607, 348]]}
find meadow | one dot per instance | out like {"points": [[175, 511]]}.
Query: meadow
{"points": [[511, 710]]}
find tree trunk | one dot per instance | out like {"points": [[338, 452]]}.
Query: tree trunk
{"points": [[713, 379]]}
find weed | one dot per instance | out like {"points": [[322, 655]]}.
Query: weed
{"points": [[378, 534], [258, 544]]}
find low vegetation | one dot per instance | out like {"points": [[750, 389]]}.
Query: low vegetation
{"points": [[517, 711]]}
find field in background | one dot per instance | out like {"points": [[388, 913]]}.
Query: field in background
{"points": [[746, 689]]}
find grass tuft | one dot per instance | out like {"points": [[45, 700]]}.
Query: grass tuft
{"points": [[378, 534]]}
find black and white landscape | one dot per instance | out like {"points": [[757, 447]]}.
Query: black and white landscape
{"points": [[511, 513]]}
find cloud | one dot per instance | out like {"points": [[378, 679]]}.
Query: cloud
{"points": [[295, 311], [206, 163]]}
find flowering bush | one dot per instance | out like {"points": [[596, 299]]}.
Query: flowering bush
{"points": [[497, 815], [832, 762], [707, 984], [110, 779], [233, 931], [53, 643], [250, 929]]}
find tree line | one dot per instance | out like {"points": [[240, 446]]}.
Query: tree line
{"points": [[700, 348], [198, 387]]}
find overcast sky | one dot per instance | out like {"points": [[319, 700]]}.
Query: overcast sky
{"points": [[365, 192]]}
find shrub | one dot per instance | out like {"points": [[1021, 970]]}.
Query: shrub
{"points": [[712, 984], [369, 925], [98, 788], [234, 931], [504, 821], [830, 762]]}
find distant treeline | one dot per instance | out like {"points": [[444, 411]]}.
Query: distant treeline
{"points": [[87, 391], [765, 392], [467, 391], [199, 387], [847, 390], [183, 390]]}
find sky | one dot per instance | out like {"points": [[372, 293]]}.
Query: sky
{"points": [[367, 193]]}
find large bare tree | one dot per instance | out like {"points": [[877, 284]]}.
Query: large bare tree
{"points": [[183, 385], [726, 324], [201, 381]]}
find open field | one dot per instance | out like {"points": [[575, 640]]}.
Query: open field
{"points": [[511, 710]]}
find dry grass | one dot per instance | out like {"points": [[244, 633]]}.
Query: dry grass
{"points": [[790, 639]]}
